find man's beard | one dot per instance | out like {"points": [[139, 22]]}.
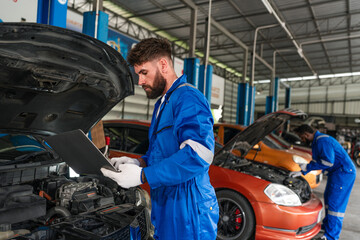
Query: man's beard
{"points": [[158, 87]]}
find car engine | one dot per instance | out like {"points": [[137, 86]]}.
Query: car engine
{"points": [[267, 172], [58, 207]]}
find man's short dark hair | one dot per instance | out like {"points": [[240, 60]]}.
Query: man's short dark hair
{"points": [[148, 50], [304, 129]]}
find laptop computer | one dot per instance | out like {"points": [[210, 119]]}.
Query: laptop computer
{"points": [[76, 149]]}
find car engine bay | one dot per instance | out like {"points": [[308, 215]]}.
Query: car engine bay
{"points": [[58, 207], [264, 171]]}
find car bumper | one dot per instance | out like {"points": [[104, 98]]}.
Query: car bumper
{"points": [[302, 222]]}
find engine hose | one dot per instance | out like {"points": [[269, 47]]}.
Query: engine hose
{"points": [[58, 210]]}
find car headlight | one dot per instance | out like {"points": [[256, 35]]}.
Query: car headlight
{"points": [[282, 195], [142, 198], [299, 159]]}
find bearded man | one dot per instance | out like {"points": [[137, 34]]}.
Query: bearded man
{"points": [[181, 149]]}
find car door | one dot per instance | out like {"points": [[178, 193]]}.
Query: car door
{"points": [[127, 139]]}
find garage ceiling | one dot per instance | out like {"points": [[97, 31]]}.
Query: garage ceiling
{"points": [[328, 31]]}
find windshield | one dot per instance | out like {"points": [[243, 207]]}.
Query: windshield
{"points": [[251, 135], [19, 147], [280, 139], [272, 143]]}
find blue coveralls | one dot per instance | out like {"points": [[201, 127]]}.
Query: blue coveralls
{"points": [[184, 204], [329, 155]]}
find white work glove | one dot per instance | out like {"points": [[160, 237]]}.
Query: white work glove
{"points": [[295, 174], [128, 175], [303, 166], [117, 161]]}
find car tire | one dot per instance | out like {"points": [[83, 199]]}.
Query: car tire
{"points": [[236, 220], [357, 158]]}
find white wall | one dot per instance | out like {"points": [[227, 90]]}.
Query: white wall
{"points": [[230, 102], [178, 66], [217, 90], [15, 10]]}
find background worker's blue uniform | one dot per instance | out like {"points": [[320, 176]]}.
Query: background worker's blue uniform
{"points": [[184, 204], [329, 155]]}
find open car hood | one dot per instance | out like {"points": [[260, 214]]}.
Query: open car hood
{"points": [[246, 139], [54, 80]]}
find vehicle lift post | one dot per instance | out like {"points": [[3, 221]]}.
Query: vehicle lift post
{"points": [[205, 82], [96, 22], [52, 12], [242, 116], [191, 69]]}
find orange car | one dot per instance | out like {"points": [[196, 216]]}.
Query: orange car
{"points": [[270, 152], [255, 199]]}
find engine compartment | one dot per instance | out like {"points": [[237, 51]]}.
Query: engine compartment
{"points": [[58, 207], [267, 172]]}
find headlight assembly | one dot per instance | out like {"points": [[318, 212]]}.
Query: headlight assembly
{"points": [[282, 195], [142, 198], [299, 159]]}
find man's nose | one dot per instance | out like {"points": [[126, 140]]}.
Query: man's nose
{"points": [[141, 80]]}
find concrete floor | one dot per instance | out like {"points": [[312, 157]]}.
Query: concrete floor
{"points": [[351, 225]]}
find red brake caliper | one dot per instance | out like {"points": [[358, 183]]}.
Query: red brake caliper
{"points": [[238, 219]]}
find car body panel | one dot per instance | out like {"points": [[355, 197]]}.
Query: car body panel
{"points": [[269, 216]]}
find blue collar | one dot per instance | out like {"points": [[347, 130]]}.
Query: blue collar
{"points": [[316, 135], [177, 83]]}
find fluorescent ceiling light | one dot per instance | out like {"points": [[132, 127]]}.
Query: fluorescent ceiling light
{"points": [[355, 73], [312, 77], [268, 6], [263, 81], [343, 74], [327, 76], [295, 79], [309, 77]]}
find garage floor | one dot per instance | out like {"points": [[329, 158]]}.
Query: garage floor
{"points": [[351, 226]]}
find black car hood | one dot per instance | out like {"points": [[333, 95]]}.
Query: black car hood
{"points": [[254, 133], [54, 80]]}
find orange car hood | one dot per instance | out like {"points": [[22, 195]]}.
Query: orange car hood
{"points": [[254, 133]]}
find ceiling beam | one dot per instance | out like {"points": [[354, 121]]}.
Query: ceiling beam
{"points": [[318, 32]]}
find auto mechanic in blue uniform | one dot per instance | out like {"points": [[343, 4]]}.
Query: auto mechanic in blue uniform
{"points": [[181, 149], [330, 156]]}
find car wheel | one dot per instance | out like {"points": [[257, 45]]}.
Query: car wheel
{"points": [[357, 158], [236, 220]]}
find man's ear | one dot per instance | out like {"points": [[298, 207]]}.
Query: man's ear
{"points": [[308, 135], [163, 65]]}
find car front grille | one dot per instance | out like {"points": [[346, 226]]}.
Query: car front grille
{"points": [[305, 229], [143, 224]]}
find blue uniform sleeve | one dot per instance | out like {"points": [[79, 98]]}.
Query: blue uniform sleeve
{"points": [[323, 156], [193, 127], [145, 157]]}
